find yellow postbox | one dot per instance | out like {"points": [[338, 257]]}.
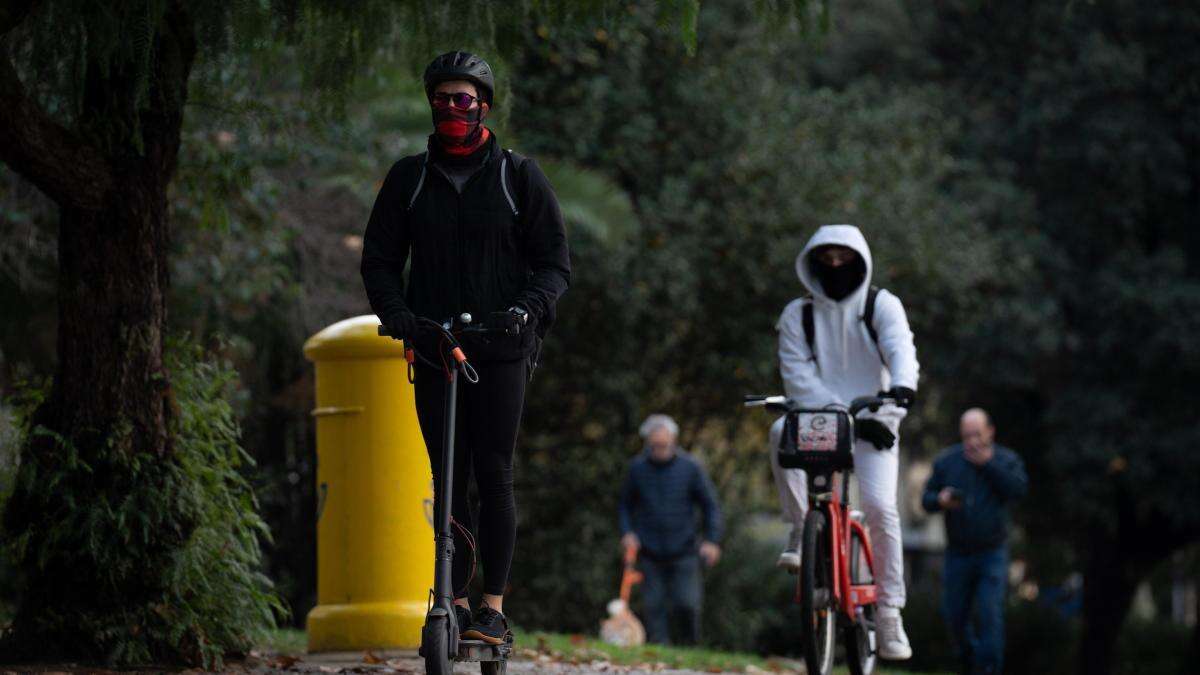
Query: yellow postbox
{"points": [[374, 494]]}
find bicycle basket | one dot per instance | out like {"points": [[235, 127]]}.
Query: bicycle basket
{"points": [[816, 440]]}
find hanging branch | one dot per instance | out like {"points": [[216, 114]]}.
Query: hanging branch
{"points": [[47, 154]]}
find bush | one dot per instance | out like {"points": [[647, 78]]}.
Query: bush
{"points": [[748, 600], [1157, 647], [133, 559]]}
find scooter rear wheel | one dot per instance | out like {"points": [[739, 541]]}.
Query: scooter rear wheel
{"points": [[493, 667]]}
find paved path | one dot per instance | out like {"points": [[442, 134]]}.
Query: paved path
{"points": [[408, 662]]}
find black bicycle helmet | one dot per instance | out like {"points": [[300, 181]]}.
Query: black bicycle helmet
{"points": [[460, 66]]}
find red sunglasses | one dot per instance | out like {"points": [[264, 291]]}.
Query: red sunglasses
{"points": [[459, 100]]}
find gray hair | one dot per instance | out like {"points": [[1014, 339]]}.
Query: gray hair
{"points": [[659, 421]]}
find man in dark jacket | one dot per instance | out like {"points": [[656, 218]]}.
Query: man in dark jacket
{"points": [[484, 234], [658, 519], [973, 483]]}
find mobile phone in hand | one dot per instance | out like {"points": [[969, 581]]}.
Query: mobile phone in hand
{"points": [[956, 495]]}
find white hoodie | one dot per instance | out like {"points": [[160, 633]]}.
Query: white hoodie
{"points": [[848, 363]]}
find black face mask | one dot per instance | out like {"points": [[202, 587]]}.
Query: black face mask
{"points": [[839, 282]]}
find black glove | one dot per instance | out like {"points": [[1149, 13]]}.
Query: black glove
{"points": [[874, 432], [401, 325], [905, 397]]}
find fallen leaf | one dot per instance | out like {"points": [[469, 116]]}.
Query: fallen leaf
{"points": [[282, 661], [369, 657]]}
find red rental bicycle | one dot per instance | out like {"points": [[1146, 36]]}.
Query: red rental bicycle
{"points": [[836, 585]]}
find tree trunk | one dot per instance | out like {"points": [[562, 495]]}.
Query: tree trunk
{"points": [[111, 403], [110, 385]]}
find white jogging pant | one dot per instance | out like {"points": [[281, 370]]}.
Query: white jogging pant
{"points": [[877, 473]]}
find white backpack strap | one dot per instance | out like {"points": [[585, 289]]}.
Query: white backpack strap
{"points": [[504, 182]]}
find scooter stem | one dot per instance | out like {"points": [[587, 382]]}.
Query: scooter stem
{"points": [[442, 583]]}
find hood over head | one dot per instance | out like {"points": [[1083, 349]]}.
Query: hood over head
{"points": [[834, 235]]}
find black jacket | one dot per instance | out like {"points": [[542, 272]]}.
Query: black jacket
{"points": [[981, 523], [469, 251], [658, 502]]}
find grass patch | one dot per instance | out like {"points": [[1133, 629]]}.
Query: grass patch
{"points": [[583, 649], [285, 641]]}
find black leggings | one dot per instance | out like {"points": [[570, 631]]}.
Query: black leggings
{"points": [[488, 416]]}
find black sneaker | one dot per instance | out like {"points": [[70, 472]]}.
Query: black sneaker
{"points": [[488, 625], [464, 618]]}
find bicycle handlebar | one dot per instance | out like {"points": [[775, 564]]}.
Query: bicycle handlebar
{"points": [[753, 401], [783, 404]]}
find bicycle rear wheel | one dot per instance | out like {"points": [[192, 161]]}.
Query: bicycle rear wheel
{"points": [[817, 620], [859, 638]]}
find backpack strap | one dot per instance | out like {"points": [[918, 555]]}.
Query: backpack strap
{"points": [[420, 181], [869, 319], [869, 314], [517, 161], [806, 320]]}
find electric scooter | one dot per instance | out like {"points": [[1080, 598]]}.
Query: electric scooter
{"points": [[441, 645]]}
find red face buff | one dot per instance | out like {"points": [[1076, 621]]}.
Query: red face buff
{"points": [[460, 132]]}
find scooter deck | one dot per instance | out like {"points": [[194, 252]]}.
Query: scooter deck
{"points": [[478, 650]]}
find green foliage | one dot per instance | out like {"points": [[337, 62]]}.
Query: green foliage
{"points": [[982, 209], [1092, 114], [729, 169], [61, 43], [133, 559], [750, 601]]}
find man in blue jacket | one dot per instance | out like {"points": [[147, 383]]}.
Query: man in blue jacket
{"points": [[973, 483], [658, 519]]}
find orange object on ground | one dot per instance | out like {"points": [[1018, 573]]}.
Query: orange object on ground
{"points": [[622, 628]]}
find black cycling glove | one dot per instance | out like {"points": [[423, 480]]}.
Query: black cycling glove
{"points": [[905, 397], [401, 325], [874, 432]]}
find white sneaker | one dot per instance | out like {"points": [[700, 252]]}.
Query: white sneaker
{"points": [[790, 558], [891, 641]]}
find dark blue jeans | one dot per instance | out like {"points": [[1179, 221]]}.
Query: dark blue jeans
{"points": [[671, 590], [973, 604]]}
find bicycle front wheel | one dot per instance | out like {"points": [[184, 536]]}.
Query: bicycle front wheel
{"points": [[859, 637], [817, 620]]}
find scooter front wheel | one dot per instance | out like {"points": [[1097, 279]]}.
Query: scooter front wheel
{"points": [[435, 646]]}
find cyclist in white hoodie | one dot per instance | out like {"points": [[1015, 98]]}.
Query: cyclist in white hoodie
{"points": [[847, 360]]}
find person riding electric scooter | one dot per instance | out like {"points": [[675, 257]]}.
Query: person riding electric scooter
{"points": [[484, 234]]}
